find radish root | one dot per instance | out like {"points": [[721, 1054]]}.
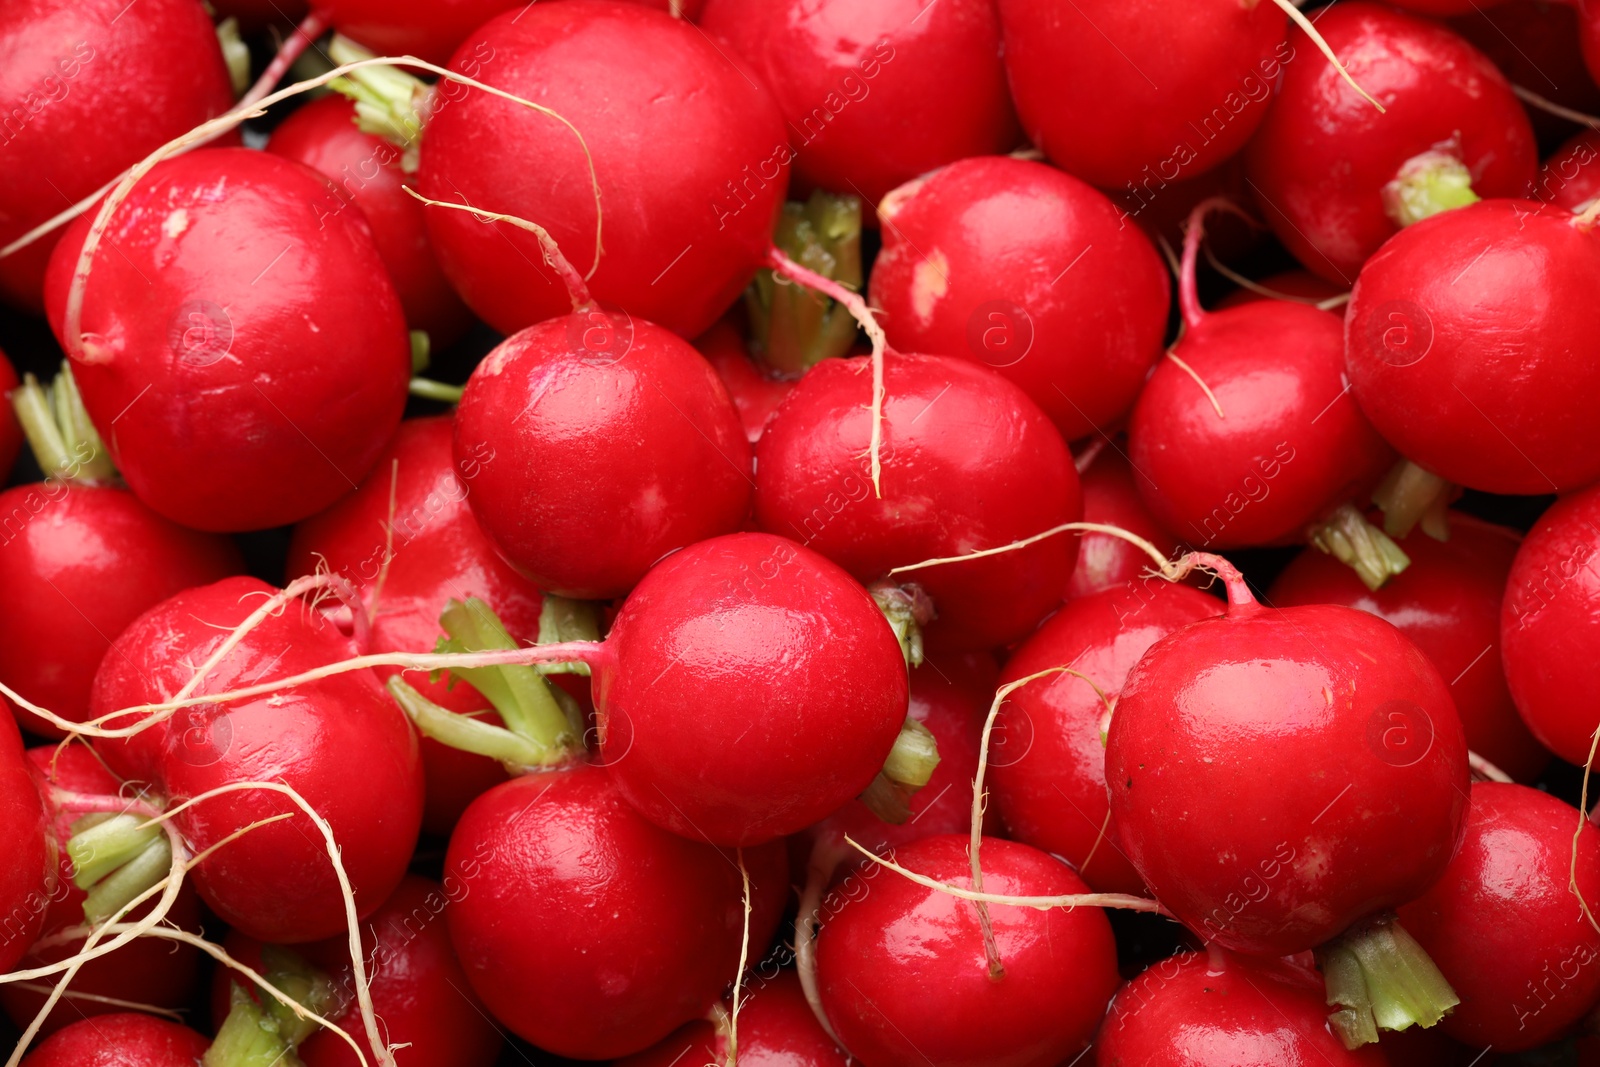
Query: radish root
{"points": [[1485, 770], [1310, 31], [577, 288]]}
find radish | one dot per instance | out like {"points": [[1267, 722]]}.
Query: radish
{"points": [[851, 76], [1547, 632], [1570, 178], [367, 172], [1223, 1010], [79, 562], [1124, 94], [1502, 925], [776, 1029], [606, 956], [10, 429], [1298, 286], [680, 241], [275, 883], [71, 122], [1111, 497], [1244, 435], [755, 394], [122, 1040], [944, 490], [428, 30], [246, 357], [1279, 778], [1536, 45], [1047, 750], [28, 877], [1335, 178], [418, 988], [1468, 346], [902, 970], [1016, 265], [1448, 603]]}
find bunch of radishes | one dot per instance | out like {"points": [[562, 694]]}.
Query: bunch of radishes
{"points": [[862, 603]]}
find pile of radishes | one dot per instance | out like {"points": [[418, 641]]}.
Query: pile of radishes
{"points": [[928, 533]]}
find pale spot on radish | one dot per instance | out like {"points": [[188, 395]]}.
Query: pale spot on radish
{"points": [[929, 284], [176, 222]]}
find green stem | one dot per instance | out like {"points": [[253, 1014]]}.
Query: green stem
{"points": [[389, 102], [466, 733], [910, 765], [64, 441], [102, 843], [429, 389], [1426, 184], [235, 53], [1409, 495], [908, 609], [421, 351], [114, 892], [264, 1032], [562, 620], [1365, 549], [793, 328], [1381, 979]]}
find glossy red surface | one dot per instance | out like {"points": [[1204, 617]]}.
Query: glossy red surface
{"points": [[902, 974], [1291, 447], [1111, 498], [1278, 775], [776, 1029], [1549, 626], [275, 883], [72, 125], [1503, 925], [121, 1040], [1570, 178], [1448, 603], [365, 169], [807, 679], [1018, 266], [1225, 1011], [756, 395], [427, 29], [1047, 752], [603, 463], [78, 564], [857, 79], [10, 432], [1536, 44], [1322, 157], [1472, 346], [28, 878], [691, 158], [253, 380], [586, 929], [1121, 92], [945, 491]]}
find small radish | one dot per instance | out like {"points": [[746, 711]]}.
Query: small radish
{"points": [[1503, 925], [121, 1040], [1111, 498], [755, 394], [366, 170], [1047, 750], [904, 978], [1448, 603], [1123, 93], [427, 29], [1536, 45], [10, 429], [1548, 636], [28, 877], [245, 355], [1245, 436], [72, 122], [276, 882], [1471, 345], [418, 988], [1335, 178], [1019, 266], [776, 1029], [1570, 178], [1278, 777], [945, 491], [850, 77], [1223, 1010], [680, 241]]}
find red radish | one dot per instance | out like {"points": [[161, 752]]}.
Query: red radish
{"points": [[903, 974], [259, 14], [755, 394], [28, 877], [680, 241], [945, 492], [1024, 268], [1470, 337], [366, 170], [1278, 776], [1502, 924], [72, 124], [147, 971], [122, 1040], [852, 78], [1222, 1010], [242, 348], [10, 429], [1536, 45], [438, 554], [418, 988], [604, 957], [427, 29], [1448, 602], [1547, 627], [1047, 749], [1335, 177], [560, 405], [1570, 178], [1298, 286], [1244, 436], [1111, 498], [776, 1029], [79, 563], [1121, 93], [275, 883]]}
